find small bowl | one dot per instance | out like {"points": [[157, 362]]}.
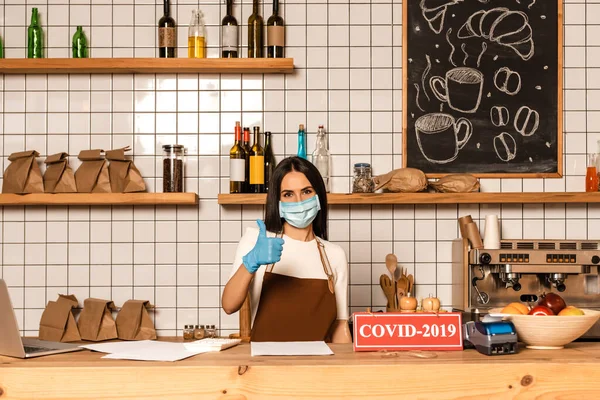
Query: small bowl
{"points": [[547, 332]]}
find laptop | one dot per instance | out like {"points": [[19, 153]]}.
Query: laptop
{"points": [[11, 343]]}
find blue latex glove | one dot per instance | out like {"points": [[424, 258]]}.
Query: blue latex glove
{"points": [[266, 250]]}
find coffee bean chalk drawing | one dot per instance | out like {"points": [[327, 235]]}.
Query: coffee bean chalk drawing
{"points": [[530, 124], [507, 81], [499, 116], [505, 146]]}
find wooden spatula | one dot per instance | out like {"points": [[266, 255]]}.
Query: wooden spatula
{"points": [[389, 289]]}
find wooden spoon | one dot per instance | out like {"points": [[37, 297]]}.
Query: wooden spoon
{"points": [[391, 262]]}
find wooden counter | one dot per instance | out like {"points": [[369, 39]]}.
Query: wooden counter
{"points": [[572, 373]]}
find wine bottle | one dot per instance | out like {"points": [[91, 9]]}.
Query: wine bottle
{"points": [[270, 162], [301, 142], [255, 32], [167, 34], [257, 164], [197, 36], [320, 157], [229, 33], [247, 149], [237, 163], [275, 33], [80, 49], [35, 37]]}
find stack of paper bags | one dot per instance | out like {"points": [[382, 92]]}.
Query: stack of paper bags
{"points": [[58, 323]]}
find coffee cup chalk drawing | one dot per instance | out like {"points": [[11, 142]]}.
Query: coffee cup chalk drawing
{"points": [[479, 73]]}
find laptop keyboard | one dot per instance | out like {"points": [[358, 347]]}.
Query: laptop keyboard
{"points": [[36, 349]]}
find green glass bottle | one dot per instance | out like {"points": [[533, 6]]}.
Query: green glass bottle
{"points": [[1, 49], [35, 38], [80, 48], [255, 32]]}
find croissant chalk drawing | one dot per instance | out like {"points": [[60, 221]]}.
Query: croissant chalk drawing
{"points": [[503, 26], [434, 12]]}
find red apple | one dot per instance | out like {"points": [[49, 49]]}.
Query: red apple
{"points": [[553, 302], [541, 310]]}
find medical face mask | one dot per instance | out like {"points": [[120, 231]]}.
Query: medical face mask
{"points": [[300, 214]]}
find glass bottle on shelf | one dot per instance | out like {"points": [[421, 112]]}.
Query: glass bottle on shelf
{"points": [[270, 162], [173, 168], [35, 37], [301, 142], [197, 36], [229, 33], [1, 48], [591, 177], [255, 33], [247, 149], [321, 158], [275, 33], [257, 164], [80, 47], [363, 179], [167, 33], [237, 163]]}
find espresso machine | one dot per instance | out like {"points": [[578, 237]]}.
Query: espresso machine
{"points": [[522, 270]]}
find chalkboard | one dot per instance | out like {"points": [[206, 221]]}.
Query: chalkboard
{"points": [[483, 87]]}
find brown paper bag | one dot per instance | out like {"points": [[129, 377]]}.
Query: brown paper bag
{"points": [[23, 175], [59, 177], [92, 174], [96, 322], [58, 323], [124, 176], [133, 321]]}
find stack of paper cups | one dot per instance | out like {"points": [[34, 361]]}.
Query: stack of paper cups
{"points": [[491, 235]]}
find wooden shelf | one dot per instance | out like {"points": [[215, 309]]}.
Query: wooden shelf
{"points": [[145, 65], [432, 198], [97, 199]]}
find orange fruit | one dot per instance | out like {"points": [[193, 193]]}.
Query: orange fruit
{"points": [[521, 307], [511, 310]]}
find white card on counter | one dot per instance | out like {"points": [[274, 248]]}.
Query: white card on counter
{"points": [[156, 351], [117, 347], [290, 349]]}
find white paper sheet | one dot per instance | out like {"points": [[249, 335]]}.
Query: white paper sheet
{"points": [[155, 351], [116, 347], [290, 349]]}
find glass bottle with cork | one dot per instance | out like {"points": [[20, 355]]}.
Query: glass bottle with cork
{"points": [[257, 164], [35, 37], [255, 32], [321, 158], [237, 162], [270, 162], [80, 46], [197, 36], [229, 33]]}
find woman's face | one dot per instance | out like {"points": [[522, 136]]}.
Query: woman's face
{"points": [[295, 187]]}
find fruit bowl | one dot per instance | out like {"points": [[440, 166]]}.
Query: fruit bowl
{"points": [[550, 331]]}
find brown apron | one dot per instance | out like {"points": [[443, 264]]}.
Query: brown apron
{"points": [[295, 309]]}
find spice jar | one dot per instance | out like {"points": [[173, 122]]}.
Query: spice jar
{"points": [[188, 332], [363, 180], [173, 168], [199, 332]]}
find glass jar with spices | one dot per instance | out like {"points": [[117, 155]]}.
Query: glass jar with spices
{"points": [[173, 168], [188, 332], [199, 332], [363, 180]]}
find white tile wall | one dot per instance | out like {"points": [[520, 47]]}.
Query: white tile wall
{"points": [[348, 77]]}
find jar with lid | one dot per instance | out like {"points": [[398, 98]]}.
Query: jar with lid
{"points": [[188, 332], [173, 168], [199, 332], [363, 180]]}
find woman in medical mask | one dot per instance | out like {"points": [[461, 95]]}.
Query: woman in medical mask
{"points": [[297, 280]]}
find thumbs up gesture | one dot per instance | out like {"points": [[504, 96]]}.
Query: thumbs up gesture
{"points": [[266, 250]]}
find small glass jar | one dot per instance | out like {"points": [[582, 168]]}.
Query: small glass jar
{"points": [[199, 332], [188, 332], [173, 168], [363, 181], [213, 331]]}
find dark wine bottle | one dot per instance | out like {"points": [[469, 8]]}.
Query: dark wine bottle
{"points": [[255, 33], [237, 163], [257, 164], [229, 33], [247, 149], [270, 162], [275, 34], [167, 34]]}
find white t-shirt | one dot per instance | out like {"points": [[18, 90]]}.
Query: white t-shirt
{"points": [[301, 260]]}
